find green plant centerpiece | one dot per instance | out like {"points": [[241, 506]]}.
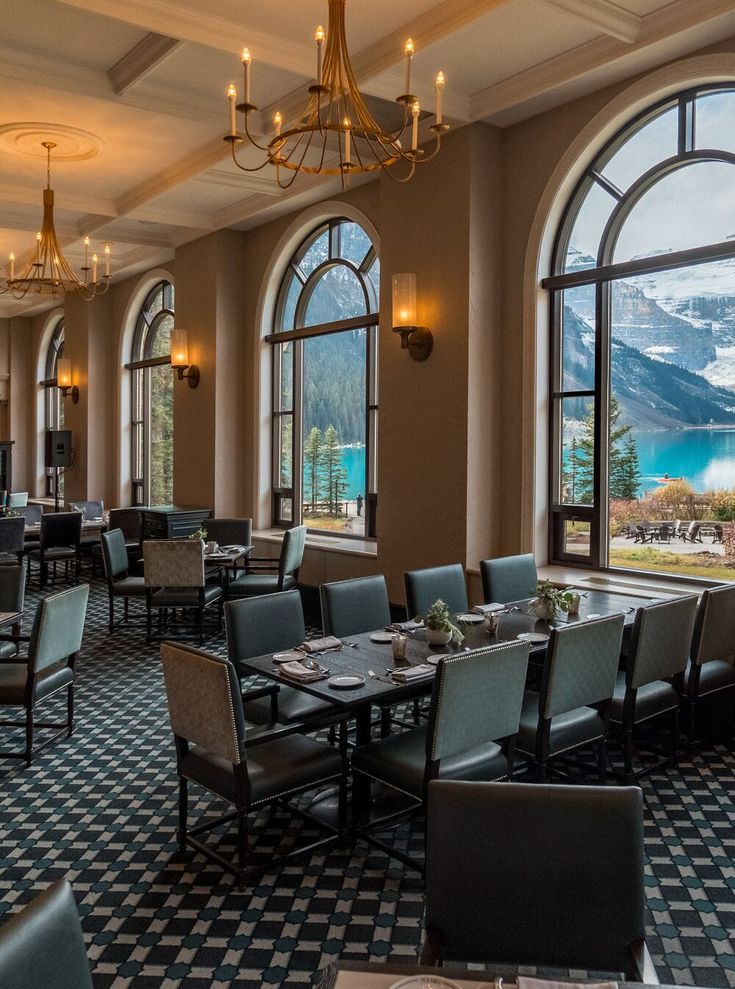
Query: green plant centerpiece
{"points": [[200, 533], [440, 629], [549, 599]]}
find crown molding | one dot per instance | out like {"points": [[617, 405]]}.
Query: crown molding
{"points": [[605, 16], [141, 60]]}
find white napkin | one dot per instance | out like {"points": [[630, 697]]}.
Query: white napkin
{"points": [[321, 645], [410, 626], [296, 671], [526, 982], [414, 673], [483, 609]]}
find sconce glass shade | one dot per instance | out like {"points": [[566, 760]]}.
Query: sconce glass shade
{"points": [[179, 348], [63, 372], [404, 300]]}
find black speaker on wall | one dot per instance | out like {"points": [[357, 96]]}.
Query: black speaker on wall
{"points": [[58, 448]]}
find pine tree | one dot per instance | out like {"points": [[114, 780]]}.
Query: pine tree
{"points": [[624, 468], [331, 460], [628, 472], [312, 467]]}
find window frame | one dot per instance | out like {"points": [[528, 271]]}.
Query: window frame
{"points": [[281, 495], [53, 401], [603, 276]]}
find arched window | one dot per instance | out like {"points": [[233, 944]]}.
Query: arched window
{"points": [[325, 339], [152, 399], [643, 371], [53, 403]]}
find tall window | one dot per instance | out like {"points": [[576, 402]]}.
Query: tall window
{"points": [[643, 377], [53, 402], [152, 399], [325, 404]]}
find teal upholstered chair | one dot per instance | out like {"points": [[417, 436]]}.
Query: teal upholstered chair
{"points": [[91, 510], [424, 587], [268, 576], [12, 539], [710, 671], [120, 584], [49, 668], [12, 599], [571, 710], [651, 685], [267, 624], [508, 578], [17, 499], [247, 772], [42, 944], [229, 532], [475, 710], [536, 874], [353, 606], [59, 542]]}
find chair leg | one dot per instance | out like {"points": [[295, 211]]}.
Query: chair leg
{"points": [[384, 722], [70, 711], [691, 723], [675, 737], [242, 842], [602, 760], [112, 615], [29, 736], [183, 812], [628, 754], [342, 805], [541, 772]]}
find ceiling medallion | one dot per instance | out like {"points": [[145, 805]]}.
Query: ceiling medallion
{"points": [[71, 143]]}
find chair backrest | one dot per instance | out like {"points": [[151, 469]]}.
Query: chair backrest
{"points": [[424, 587], [129, 520], [90, 509], [42, 944], [204, 701], [60, 529], [693, 529], [267, 623], [58, 627], [13, 587], [12, 534], [17, 499], [114, 554], [353, 606], [535, 874], [292, 551], [714, 628], [581, 665], [173, 563], [661, 641], [509, 578], [229, 532], [31, 513], [477, 698]]}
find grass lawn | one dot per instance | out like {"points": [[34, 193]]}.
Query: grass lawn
{"points": [[688, 565]]}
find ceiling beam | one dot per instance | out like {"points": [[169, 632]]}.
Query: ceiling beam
{"points": [[608, 17], [675, 18], [136, 64]]}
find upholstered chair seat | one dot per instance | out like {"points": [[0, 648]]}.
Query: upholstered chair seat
{"points": [[270, 576]]}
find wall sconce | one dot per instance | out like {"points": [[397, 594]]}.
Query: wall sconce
{"points": [[180, 358], [63, 380], [416, 339]]}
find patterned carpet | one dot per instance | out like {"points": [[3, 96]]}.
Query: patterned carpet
{"points": [[100, 809]]}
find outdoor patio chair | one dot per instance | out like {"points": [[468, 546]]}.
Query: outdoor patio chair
{"points": [[692, 533]]}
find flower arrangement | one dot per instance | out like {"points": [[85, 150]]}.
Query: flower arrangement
{"points": [[438, 619], [549, 599], [201, 533]]}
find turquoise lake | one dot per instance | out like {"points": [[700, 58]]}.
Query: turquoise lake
{"points": [[353, 459], [703, 457]]}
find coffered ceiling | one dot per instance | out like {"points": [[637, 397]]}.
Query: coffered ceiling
{"points": [[133, 93]]}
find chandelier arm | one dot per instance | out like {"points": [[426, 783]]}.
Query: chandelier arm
{"points": [[251, 139], [297, 168], [245, 168]]}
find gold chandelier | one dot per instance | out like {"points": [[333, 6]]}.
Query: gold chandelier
{"points": [[48, 272], [336, 134]]}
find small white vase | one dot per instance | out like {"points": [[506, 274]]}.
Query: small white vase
{"points": [[437, 637], [544, 610]]}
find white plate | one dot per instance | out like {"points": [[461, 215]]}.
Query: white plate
{"points": [[593, 616], [346, 681], [424, 982], [532, 636], [472, 618], [287, 657], [382, 636]]}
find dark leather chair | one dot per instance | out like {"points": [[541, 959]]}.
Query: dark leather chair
{"points": [[424, 587], [475, 710], [91, 510], [273, 623], [571, 710], [212, 750], [711, 671], [49, 667], [42, 947], [529, 874], [12, 539], [12, 598], [120, 584], [32, 515], [653, 680], [229, 532], [130, 521], [59, 542], [173, 573], [508, 578], [353, 606], [269, 576]]}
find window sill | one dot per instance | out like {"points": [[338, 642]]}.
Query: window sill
{"points": [[328, 544], [613, 582]]}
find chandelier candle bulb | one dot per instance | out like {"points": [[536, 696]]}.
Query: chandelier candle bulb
{"points": [[12, 267], [38, 247], [415, 110], [94, 269], [409, 50], [278, 120], [346, 124], [440, 82], [246, 60], [319, 38], [86, 252], [232, 97], [107, 260]]}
